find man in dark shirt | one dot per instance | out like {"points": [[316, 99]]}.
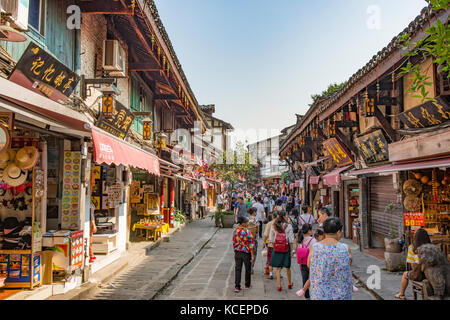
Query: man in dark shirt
{"points": [[241, 208]]}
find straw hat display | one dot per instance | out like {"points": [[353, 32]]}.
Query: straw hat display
{"points": [[27, 157], [412, 187], [14, 176], [412, 203]]}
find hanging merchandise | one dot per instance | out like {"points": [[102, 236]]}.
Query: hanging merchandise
{"points": [[21, 189], [71, 191]]}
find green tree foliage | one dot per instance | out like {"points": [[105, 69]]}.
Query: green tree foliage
{"points": [[332, 88], [236, 163], [435, 45]]}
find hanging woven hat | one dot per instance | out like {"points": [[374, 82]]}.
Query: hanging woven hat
{"points": [[27, 157], [412, 203], [412, 187], [14, 176], [4, 158]]}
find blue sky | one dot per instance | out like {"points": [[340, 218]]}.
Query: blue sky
{"points": [[259, 61]]}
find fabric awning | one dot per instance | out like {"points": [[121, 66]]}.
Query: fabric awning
{"points": [[425, 164], [109, 149], [333, 178], [183, 178], [315, 162], [314, 179]]}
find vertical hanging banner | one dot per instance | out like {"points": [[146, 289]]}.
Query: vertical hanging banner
{"points": [[71, 191]]}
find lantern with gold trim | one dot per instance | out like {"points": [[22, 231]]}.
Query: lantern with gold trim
{"points": [[369, 105], [162, 140], [107, 106], [153, 41], [147, 129]]}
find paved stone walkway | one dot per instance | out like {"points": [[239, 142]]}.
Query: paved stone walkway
{"points": [[198, 264], [389, 281], [146, 278]]}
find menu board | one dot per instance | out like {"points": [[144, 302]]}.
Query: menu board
{"points": [[76, 250], [112, 197], [71, 191]]}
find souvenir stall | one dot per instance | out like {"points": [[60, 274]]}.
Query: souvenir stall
{"points": [[426, 200], [63, 241], [21, 191], [106, 196], [146, 218]]}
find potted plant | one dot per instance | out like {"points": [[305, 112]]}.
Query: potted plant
{"points": [[179, 218], [391, 243], [227, 219]]}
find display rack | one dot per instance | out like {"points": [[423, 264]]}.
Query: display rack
{"points": [[23, 267]]}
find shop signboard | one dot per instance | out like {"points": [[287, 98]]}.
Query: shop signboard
{"points": [[40, 72], [71, 191], [428, 114], [413, 219], [373, 147], [119, 123], [338, 152]]}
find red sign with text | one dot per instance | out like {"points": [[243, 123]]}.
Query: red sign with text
{"points": [[413, 219]]}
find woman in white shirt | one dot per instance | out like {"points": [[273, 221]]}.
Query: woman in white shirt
{"points": [[282, 259], [305, 217]]}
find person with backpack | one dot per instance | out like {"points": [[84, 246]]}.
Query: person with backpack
{"points": [[293, 219], [306, 217], [305, 240], [282, 237]]}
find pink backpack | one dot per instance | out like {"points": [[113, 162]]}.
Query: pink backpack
{"points": [[281, 243], [303, 253]]}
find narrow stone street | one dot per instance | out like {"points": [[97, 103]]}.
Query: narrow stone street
{"points": [[198, 264]]}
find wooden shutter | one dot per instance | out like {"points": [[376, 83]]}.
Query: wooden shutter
{"points": [[382, 193]]}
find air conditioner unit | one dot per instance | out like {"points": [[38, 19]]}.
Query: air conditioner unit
{"points": [[17, 10], [114, 58]]}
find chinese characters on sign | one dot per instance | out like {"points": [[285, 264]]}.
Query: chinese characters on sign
{"points": [[374, 147], [119, 123], [37, 70], [340, 156], [413, 219], [427, 114]]}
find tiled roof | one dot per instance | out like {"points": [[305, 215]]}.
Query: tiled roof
{"points": [[152, 6], [424, 17]]}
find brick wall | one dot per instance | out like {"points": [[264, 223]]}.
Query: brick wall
{"points": [[93, 33]]}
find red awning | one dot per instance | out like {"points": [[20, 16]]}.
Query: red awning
{"points": [[333, 177], [109, 149], [435, 163], [314, 179]]}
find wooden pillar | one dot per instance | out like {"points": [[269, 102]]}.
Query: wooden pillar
{"points": [[171, 202], [364, 211]]}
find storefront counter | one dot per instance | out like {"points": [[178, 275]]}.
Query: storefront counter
{"points": [[104, 243]]}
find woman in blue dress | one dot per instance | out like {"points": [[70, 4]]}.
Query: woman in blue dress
{"points": [[329, 262]]}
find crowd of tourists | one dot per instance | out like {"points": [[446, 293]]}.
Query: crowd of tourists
{"points": [[286, 229]]}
